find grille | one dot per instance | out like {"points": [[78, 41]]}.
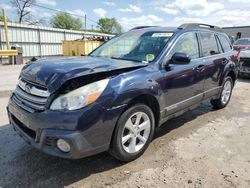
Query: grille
{"points": [[31, 97], [25, 129], [50, 141]]}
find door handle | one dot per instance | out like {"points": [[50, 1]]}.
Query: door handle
{"points": [[200, 68]]}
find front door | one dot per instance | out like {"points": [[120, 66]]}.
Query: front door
{"points": [[183, 84]]}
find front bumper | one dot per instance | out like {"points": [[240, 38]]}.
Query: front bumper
{"points": [[244, 67], [88, 131]]}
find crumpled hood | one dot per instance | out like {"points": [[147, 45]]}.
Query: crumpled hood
{"points": [[52, 73]]}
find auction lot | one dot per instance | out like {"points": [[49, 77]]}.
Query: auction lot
{"points": [[202, 148]]}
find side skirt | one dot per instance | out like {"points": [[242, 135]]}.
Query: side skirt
{"points": [[178, 109]]}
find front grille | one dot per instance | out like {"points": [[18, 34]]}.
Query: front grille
{"points": [[25, 129], [30, 97], [50, 141]]}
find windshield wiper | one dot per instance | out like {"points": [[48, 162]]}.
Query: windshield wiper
{"points": [[120, 58]]}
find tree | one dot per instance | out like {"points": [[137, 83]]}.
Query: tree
{"points": [[109, 25], [1, 18], [23, 8], [63, 20]]}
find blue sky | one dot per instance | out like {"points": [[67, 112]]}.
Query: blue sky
{"points": [[147, 12]]}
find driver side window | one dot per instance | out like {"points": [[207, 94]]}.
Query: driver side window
{"points": [[188, 44]]}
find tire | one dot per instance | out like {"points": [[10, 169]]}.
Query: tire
{"points": [[129, 129], [225, 94]]}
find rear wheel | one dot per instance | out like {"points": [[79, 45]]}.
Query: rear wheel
{"points": [[133, 133], [225, 95]]}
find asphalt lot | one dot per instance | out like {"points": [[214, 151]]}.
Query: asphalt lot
{"points": [[202, 148]]}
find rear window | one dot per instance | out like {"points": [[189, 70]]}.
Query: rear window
{"points": [[208, 44], [225, 43]]}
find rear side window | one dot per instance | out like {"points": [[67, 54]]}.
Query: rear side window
{"points": [[225, 43], [208, 44]]}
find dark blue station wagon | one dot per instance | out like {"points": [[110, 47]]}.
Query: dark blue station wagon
{"points": [[114, 98]]}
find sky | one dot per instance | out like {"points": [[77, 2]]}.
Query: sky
{"points": [[146, 12]]}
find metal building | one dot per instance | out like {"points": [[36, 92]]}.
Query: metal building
{"points": [[232, 31], [38, 41]]}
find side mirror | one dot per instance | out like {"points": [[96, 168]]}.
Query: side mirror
{"points": [[180, 58]]}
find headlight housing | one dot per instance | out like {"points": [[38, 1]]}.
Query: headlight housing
{"points": [[80, 97]]}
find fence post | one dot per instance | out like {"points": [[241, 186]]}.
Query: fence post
{"points": [[1, 45], [39, 42]]}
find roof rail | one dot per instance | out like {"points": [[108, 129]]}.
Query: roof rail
{"points": [[141, 27], [199, 25]]}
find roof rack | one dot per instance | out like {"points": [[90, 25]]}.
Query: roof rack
{"points": [[141, 27], [199, 25]]}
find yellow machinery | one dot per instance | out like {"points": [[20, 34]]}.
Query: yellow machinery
{"points": [[7, 52], [79, 47]]}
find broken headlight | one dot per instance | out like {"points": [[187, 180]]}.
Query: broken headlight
{"points": [[80, 97]]}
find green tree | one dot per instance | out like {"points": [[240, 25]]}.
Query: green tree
{"points": [[109, 25], [1, 18], [65, 21]]}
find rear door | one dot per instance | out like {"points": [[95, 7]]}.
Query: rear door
{"points": [[214, 60]]}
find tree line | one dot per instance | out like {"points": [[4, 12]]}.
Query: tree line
{"points": [[62, 20]]}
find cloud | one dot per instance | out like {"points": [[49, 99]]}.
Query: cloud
{"points": [[180, 20], [47, 2], [109, 3], [128, 23], [170, 9], [5, 6], [132, 8], [231, 17], [101, 13], [77, 12], [199, 8]]}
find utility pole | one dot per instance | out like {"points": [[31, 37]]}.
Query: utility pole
{"points": [[6, 30], [85, 22]]}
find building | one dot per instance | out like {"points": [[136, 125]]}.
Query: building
{"points": [[244, 31]]}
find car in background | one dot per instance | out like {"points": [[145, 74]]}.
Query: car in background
{"points": [[243, 45]]}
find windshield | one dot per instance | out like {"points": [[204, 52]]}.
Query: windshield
{"points": [[134, 46], [242, 42]]}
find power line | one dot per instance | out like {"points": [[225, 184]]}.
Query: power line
{"points": [[56, 10]]}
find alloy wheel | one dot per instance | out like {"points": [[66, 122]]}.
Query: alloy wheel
{"points": [[136, 132], [226, 92]]}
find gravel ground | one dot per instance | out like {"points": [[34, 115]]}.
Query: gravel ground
{"points": [[202, 148]]}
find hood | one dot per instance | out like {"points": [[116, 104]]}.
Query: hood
{"points": [[52, 73]]}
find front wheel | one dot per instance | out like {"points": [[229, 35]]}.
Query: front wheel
{"points": [[133, 133], [225, 94]]}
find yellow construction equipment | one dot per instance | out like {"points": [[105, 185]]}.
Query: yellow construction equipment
{"points": [[79, 47], [8, 52]]}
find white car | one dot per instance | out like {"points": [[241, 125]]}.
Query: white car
{"points": [[243, 45]]}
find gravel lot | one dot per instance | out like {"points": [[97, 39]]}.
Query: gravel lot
{"points": [[202, 148]]}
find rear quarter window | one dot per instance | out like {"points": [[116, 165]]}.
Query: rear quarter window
{"points": [[225, 43]]}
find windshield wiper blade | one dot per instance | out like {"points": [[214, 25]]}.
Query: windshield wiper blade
{"points": [[120, 58]]}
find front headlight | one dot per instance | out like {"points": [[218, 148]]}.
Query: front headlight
{"points": [[80, 97]]}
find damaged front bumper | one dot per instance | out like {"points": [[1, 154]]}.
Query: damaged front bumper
{"points": [[88, 131]]}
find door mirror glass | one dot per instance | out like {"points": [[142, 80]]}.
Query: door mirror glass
{"points": [[180, 58]]}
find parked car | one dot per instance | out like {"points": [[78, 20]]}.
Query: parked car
{"points": [[113, 99], [243, 45]]}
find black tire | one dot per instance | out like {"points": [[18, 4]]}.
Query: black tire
{"points": [[117, 147], [218, 103]]}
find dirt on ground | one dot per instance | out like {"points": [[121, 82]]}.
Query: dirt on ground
{"points": [[201, 148]]}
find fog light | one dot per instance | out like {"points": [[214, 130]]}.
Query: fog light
{"points": [[63, 145]]}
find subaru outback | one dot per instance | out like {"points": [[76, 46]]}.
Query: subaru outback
{"points": [[114, 98]]}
